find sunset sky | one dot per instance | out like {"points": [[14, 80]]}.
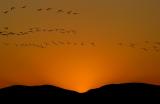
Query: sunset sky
{"points": [[126, 34]]}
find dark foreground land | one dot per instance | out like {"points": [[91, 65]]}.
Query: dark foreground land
{"points": [[113, 91]]}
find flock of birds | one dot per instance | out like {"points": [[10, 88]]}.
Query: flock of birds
{"points": [[49, 44], [147, 46], [59, 11], [5, 31]]}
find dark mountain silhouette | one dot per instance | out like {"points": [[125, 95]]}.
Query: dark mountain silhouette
{"points": [[128, 89], [105, 93], [36, 91]]}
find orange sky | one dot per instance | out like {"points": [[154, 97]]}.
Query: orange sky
{"points": [[76, 67]]}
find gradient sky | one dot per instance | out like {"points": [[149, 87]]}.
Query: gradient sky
{"points": [[80, 68]]}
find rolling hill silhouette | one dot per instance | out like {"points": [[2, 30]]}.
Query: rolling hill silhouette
{"points": [[108, 91]]}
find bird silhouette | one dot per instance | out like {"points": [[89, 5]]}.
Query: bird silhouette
{"points": [[11, 33], [53, 42], [147, 41], [73, 31], [76, 13], [4, 34], [50, 30], [48, 9], [6, 28], [74, 43], [44, 30], [155, 47], [120, 44], [132, 45], [69, 12], [12, 8], [68, 32], [60, 11], [62, 43], [24, 6], [6, 44], [46, 43], [157, 50], [69, 43], [93, 44], [82, 43], [145, 49], [158, 43], [5, 12], [39, 9]]}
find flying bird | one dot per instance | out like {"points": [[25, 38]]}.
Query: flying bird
{"points": [[158, 43], [145, 49], [46, 43], [68, 43], [48, 9], [73, 31], [132, 45], [60, 11], [5, 12], [74, 43], [82, 44], [11, 33], [61, 42], [93, 44], [157, 50], [53, 42], [12, 8], [44, 30], [24, 7], [76, 13], [68, 32], [50, 30], [4, 34], [6, 28], [39, 9], [69, 12], [155, 47], [120, 43]]}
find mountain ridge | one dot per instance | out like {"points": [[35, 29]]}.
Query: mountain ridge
{"points": [[112, 90]]}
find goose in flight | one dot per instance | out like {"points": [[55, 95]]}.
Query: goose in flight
{"points": [[6, 28], [132, 45], [48, 9], [76, 13], [158, 43], [93, 44], [5, 12], [53, 42], [61, 42], [60, 11], [39, 9], [74, 43], [82, 43], [120, 44], [147, 41], [69, 12], [145, 49], [24, 6], [50, 30], [12, 8]]}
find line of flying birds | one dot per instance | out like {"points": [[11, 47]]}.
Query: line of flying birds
{"points": [[60, 11], [5, 31], [49, 44], [147, 46]]}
